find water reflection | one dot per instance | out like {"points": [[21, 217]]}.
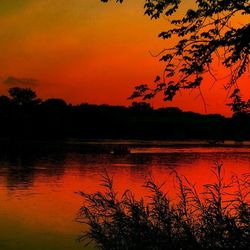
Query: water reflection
{"points": [[20, 171], [37, 191]]}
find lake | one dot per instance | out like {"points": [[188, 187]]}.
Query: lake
{"points": [[38, 199]]}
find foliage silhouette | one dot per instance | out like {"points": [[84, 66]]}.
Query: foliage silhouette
{"points": [[4, 101], [216, 219], [206, 30], [238, 106], [31, 118], [23, 96]]}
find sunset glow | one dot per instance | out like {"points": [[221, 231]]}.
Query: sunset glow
{"points": [[87, 51]]}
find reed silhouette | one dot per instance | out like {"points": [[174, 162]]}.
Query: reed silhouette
{"points": [[215, 219]]}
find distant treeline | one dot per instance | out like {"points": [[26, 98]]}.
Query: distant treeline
{"points": [[25, 116]]}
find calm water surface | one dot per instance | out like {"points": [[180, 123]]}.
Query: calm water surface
{"points": [[38, 203]]}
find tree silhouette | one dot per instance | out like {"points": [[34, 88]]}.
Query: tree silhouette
{"points": [[23, 96], [141, 106], [23, 115], [55, 104], [238, 106], [208, 30], [4, 101]]}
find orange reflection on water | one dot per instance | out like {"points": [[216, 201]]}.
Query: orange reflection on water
{"points": [[43, 200]]}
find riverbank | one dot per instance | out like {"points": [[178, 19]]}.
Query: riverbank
{"points": [[110, 146]]}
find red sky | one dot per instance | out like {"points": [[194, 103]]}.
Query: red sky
{"points": [[87, 51]]}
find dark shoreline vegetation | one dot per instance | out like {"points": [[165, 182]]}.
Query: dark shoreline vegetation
{"points": [[26, 117], [218, 218]]}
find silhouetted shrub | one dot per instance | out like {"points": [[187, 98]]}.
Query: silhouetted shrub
{"points": [[214, 219]]}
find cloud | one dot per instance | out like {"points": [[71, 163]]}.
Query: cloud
{"points": [[20, 81]]}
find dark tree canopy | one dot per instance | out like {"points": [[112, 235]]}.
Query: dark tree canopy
{"points": [[207, 32], [24, 116], [22, 96]]}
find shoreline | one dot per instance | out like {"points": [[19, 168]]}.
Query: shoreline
{"points": [[116, 147]]}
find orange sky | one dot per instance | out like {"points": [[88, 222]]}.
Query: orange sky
{"points": [[87, 51]]}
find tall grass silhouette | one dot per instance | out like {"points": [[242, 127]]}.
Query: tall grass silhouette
{"points": [[217, 218]]}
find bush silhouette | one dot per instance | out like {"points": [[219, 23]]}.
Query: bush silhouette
{"points": [[214, 219]]}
